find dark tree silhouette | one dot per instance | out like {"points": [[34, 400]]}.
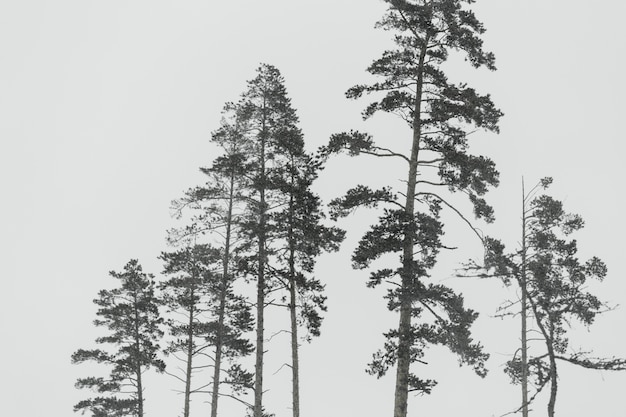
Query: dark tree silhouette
{"points": [[130, 313], [196, 292], [553, 283], [216, 214], [440, 115], [303, 238]]}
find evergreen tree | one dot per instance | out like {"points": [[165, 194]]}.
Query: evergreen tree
{"points": [[197, 293], [243, 195], [130, 313], [217, 209], [440, 115], [553, 281], [304, 237], [269, 123]]}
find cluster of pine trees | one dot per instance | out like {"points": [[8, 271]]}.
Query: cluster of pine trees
{"points": [[256, 223]]}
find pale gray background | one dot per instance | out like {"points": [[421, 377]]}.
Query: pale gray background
{"points": [[106, 108]]}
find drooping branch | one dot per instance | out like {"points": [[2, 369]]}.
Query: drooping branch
{"points": [[471, 226]]}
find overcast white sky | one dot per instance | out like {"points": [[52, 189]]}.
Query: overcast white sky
{"points": [[106, 109]]}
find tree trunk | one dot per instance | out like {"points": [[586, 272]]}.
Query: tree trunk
{"points": [[260, 309], [549, 339], [137, 359], [405, 340], [295, 364], [553, 377], [295, 367], [260, 300], [189, 359], [139, 394], [524, 309], [219, 343]]}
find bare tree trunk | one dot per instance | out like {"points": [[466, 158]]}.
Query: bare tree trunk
{"points": [[139, 394], [405, 339], [260, 309], [138, 364], [553, 377], [293, 305], [219, 343], [260, 300], [295, 366], [524, 309], [189, 360]]}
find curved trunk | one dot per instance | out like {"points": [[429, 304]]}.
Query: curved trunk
{"points": [[549, 338], [405, 339], [553, 377]]}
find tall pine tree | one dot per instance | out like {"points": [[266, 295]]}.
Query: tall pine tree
{"points": [[440, 114], [303, 239], [269, 123], [217, 211]]}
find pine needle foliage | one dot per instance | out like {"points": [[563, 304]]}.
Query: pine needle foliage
{"points": [[130, 313], [554, 281], [440, 114]]}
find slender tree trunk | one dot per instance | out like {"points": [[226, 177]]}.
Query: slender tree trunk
{"points": [[549, 338], [260, 300], [405, 339], [553, 376], [219, 343], [189, 359], [524, 309], [295, 366], [138, 362], [139, 393]]}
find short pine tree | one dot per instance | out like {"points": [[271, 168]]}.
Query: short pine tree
{"points": [[130, 313]]}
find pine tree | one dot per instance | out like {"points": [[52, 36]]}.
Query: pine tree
{"points": [[440, 115], [269, 123], [196, 292], [242, 196], [553, 282], [130, 313], [217, 209], [304, 238]]}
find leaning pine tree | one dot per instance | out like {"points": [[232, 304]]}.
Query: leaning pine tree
{"points": [[553, 283], [130, 313], [440, 115]]}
